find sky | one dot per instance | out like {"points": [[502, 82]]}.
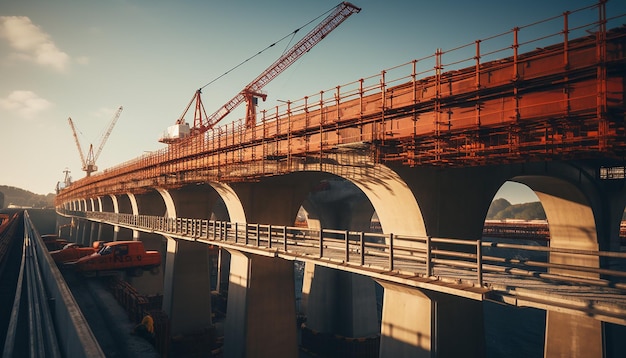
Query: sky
{"points": [[84, 59]]}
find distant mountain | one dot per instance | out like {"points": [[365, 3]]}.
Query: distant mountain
{"points": [[24, 198], [502, 209]]}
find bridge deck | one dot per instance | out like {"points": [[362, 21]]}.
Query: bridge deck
{"points": [[514, 274], [557, 102]]}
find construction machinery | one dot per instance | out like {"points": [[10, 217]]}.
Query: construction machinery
{"points": [[252, 92], [89, 162]]}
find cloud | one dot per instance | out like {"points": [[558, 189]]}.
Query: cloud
{"points": [[82, 60], [31, 43], [27, 104]]}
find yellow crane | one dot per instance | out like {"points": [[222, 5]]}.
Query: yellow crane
{"points": [[89, 162]]}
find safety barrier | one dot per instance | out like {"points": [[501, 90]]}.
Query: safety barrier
{"points": [[55, 326], [425, 256]]}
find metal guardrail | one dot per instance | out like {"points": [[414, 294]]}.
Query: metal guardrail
{"points": [[55, 326], [412, 255]]}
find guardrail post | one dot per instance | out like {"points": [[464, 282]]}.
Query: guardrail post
{"points": [[226, 225], [236, 232], [391, 252], [247, 234], [258, 235], [346, 236], [362, 243], [479, 262], [429, 267], [269, 236], [285, 238], [321, 243]]}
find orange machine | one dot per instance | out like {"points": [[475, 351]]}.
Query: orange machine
{"points": [[54, 242], [72, 252], [120, 255]]}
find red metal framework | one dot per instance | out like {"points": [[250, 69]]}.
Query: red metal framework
{"points": [[556, 102], [340, 13]]}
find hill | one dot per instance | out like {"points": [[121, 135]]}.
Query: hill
{"points": [[24, 198], [502, 209]]}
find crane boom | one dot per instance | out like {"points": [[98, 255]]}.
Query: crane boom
{"points": [[89, 163], [80, 150], [331, 22], [108, 132], [253, 89]]}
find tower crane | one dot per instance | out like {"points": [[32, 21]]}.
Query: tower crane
{"points": [[89, 163], [252, 91]]}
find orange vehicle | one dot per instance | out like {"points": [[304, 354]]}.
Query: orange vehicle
{"points": [[53, 242], [120, 255], [72, 252]]}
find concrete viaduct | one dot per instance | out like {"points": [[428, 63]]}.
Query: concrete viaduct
{"points": [[426, 156], [583, 212]]}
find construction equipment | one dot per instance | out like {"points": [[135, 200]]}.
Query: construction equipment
{"points": [[89, 163], [252, 91]]}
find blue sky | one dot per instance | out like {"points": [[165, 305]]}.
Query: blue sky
{"points": [[84, 59]]}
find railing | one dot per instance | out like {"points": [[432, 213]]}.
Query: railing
{"points": [[54, 329], [478, 262]]}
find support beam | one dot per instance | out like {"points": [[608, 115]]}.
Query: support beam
{"points": [[187, 277], [261, 317], [420, 323]]}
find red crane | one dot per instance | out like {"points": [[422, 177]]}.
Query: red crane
{"points": [[202, 122]]}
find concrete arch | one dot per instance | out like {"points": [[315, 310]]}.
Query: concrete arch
{"points": [[391, 198], [389, 194], [583, 212], [202, 201], [570, 216], [233, 204]]}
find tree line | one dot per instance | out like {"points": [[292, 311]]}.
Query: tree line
{"points": [[23, 198]]}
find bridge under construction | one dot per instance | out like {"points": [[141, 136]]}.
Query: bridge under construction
{"points": [[425, 146]]}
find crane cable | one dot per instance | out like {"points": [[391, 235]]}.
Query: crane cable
{"points": [[292, 34]]}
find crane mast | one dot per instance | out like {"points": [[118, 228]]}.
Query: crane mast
{"points": [[89, 163], [253, 90], [80, 150]]}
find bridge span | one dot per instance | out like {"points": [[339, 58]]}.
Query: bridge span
{"points": [[425, 146]]}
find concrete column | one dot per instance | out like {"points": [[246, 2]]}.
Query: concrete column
{"points": [[335, 301], [188, 277], [420, 323], [573, 336], [261, 317], [93, 232], [223, 267], [572, 225], [77, 230], [124, 206], [340, 302], [84, 238], [134, 211]]}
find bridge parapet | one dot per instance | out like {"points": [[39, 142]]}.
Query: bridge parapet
{"points": [[516, 274]]}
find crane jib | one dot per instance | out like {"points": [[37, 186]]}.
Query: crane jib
{"points": [[331, 22]]}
